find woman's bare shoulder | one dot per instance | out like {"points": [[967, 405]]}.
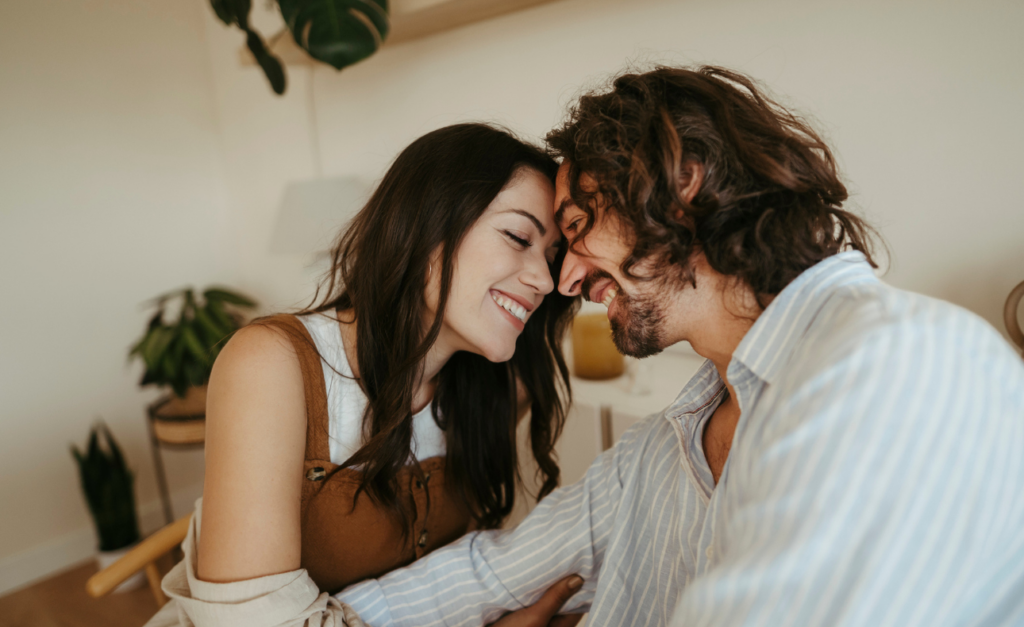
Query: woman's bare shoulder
{"points": [[255, 446]]}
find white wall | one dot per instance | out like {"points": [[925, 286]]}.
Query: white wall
{"points": [[111, 191], [920, 100], [136, 155]]}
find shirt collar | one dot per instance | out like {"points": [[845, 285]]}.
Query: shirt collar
{"points": [[768, 345]]}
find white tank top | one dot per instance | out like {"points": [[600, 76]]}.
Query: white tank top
{"points": [[346, 401]]}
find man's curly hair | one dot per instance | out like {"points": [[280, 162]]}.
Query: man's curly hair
{"points": [[769, 207]]}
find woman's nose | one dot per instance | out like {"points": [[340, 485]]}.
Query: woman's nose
{"points": [[539, 277], [573, 273]]}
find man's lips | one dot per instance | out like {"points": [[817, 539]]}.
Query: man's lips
{"points": [[597, 293], [600, 287]]}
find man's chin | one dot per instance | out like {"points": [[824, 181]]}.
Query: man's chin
{"points": [[634, 342]]}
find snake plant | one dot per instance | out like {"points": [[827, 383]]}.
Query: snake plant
{"points": [[108, 485]]}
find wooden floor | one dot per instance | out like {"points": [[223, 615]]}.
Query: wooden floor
{"points": [[61, 601]]}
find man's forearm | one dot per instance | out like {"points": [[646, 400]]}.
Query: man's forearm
{"points": [[485, 574]]}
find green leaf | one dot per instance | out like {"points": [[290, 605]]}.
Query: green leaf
{"points": [[221, 295], [217, 311], [236, 13], [171, 362], [211, 331], [157, 320], [193, 344], [158, 341], [162, 299], [190, 304], [270, 64], [181, 353], [338, 32], [224, 11], [108, 485]]}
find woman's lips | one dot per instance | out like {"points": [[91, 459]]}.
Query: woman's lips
{"points": [[513, 320], [525, 303]]}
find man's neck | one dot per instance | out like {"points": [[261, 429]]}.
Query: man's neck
{"points": [[718, 315]]}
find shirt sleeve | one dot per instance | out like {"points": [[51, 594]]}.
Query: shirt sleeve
{"points": [[477, 579], [873, 489]]}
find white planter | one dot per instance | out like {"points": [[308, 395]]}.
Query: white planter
{"points": [[106, 558]]}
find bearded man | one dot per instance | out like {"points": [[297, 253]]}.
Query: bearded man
{"points": [[849, 454]]}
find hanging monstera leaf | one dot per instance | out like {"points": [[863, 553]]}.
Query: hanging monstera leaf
{"points": [[337, 32]]}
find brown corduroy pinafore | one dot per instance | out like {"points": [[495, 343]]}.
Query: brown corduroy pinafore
{"points": [[342, 545]]}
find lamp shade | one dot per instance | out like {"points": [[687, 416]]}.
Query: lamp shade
{"points": [[312, 213]]}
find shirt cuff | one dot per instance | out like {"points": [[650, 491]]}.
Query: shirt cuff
{"points": [[368, 600]]}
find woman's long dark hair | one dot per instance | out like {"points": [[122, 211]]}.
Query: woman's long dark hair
{"points": [[431, 196]]}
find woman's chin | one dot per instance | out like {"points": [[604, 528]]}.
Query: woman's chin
{"points": [[497, 353]]}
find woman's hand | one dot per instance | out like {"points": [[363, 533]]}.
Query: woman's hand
{"points": [[542, 613]]}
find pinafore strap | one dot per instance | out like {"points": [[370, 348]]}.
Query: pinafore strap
{"points": [[311, 364]]}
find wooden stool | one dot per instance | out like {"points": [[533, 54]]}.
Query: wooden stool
{"points": [[175, 423]]}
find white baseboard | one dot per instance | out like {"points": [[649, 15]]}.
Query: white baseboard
{"points": [[39, 562]]}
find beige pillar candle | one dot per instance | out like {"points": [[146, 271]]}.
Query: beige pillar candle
{"points": [[593, 352]]}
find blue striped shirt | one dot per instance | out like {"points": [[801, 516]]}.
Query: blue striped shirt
{"points": [[876, 477]]}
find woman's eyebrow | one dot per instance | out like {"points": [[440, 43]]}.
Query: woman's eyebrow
{"points": [[533, 218]]}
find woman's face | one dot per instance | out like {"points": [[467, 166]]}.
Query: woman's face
{"points": [[501, 270]]}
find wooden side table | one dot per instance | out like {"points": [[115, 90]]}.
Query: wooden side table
{"points": [[175, 423]]}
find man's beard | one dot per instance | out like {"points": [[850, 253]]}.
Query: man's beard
{"points": [[639, 333]]}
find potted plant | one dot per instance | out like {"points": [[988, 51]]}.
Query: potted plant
{"points": [[108, 485], [179, 352]]}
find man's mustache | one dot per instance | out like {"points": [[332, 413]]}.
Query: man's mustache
{"points": [[593, 277]]}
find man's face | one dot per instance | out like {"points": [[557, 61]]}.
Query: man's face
{"points": [[635, 308]]}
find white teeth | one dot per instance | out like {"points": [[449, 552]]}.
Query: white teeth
{"points": [[511, 306], [609, 296]]}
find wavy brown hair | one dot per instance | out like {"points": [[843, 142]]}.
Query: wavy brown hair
{"points": [[430, 197], [769, 207]]}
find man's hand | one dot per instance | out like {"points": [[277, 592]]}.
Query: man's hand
{"points": [[542, 613]]}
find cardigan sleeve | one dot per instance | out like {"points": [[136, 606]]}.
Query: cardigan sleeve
{"points": [[288, 599]]}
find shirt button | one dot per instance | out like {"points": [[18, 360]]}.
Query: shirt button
{"points": [[709, 552]]}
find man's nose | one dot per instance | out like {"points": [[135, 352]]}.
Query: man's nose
{"points": [[574, 270]]}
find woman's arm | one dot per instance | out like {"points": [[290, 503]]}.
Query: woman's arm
{"points": [[255, 446]]}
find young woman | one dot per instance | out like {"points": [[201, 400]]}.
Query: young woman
{"points": [[353, 438]]}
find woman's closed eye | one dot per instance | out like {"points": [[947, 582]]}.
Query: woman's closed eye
{"points": [[518, 240]]}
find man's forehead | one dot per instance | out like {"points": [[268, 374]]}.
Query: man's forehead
{"points": [[563, 201], [562, 204]]}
